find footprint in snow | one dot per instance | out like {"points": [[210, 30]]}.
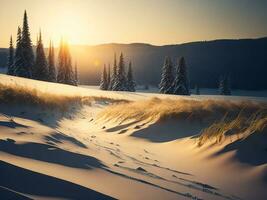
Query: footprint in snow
{"points": [[146, 151], [137, 127], [140, 169]]}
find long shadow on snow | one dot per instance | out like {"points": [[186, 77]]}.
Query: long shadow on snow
{"points": [[51, 154], [46, 116], [12, 124], [6, 193], [168, 130], [33, 183], [251, 150], [59, 137]]}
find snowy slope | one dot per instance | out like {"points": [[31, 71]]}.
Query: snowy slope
{"points": [[81, 155]]}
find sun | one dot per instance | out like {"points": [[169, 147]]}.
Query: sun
{"points": [[69, 25], [96, 63]]}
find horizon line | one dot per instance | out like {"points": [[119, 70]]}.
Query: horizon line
{"points": [[161, 45]]}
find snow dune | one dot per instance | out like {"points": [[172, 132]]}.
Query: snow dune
{"points": [[130, 145]]}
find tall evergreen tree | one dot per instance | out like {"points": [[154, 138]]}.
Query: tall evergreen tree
{"points": [[40, 70], [224, 86], [61, 63], [18, 60], [10, 62], [51, 63], [114, 73], [25, 69], [130, 80], [65, 73], [120, 83], [104, 81], [108, 76], [166, 77], [181, 83], [197, 90], [76, 74]]}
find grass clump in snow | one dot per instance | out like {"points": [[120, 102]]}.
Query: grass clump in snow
{"points": [[221, 117], [242, 126], [20, 95], [161, 109]]}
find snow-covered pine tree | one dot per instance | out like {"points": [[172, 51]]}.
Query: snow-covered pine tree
{"points": [[103, 81], [10, 60], [166, 77], [181, 83], [114, 73], [224, 86], [130, 80], [108, 76], [120, 83], [70, 76], [65, 73], [197, 90], [25, 69], [40, 70], [61, 63], [51, 63], [73, 75], [18, 54], [76, 74]]}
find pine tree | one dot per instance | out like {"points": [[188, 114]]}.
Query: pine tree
{"points": [[224, 86], [51, 63], [18, 54], [108, 76], [76, 74], [130, 81], [114, 73], [65, 73], [104, 81], [197, 90], [40, 70], [120, 83], [166, 77], [25, 68], [181, 83], [61, 63], [10, 62]]}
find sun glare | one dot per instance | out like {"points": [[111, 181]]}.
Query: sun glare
{"points": [[96, 63], [68, 25]]}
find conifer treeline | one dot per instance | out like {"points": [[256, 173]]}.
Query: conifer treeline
{"points": [[174, 84], [23, 63], [118, 80], [177, 82]]}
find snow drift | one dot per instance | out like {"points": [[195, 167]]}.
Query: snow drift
{"points": [[128, 145]]}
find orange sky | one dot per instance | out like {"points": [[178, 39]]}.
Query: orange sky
{"points": [[125, 21]]}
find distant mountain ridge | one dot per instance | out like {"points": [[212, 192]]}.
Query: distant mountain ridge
{"points": [[245, 60]]}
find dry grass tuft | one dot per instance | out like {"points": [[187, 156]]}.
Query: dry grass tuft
{"points": [[161, 109], [19, 95], [242, 126], [225, 117]]}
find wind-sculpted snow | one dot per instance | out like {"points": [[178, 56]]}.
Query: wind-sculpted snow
{"points": [[128, 145], [210, 118]]}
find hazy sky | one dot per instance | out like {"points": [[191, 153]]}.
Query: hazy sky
{"points": [[126, 21]]}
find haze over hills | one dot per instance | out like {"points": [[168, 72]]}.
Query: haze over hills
{"points": [[245, 60]]}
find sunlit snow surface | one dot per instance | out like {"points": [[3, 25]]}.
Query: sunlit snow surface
{"points": [[79, 155]]}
